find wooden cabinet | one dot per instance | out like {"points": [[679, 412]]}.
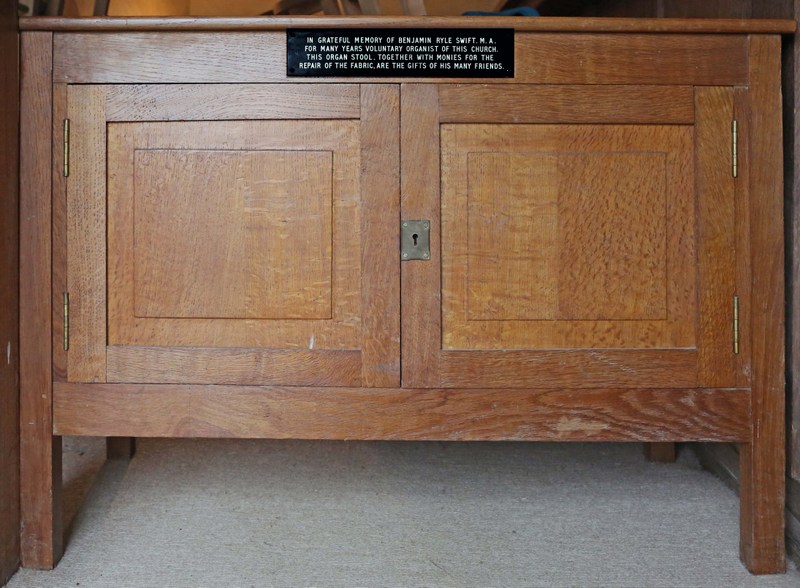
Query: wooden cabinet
{"points": [[213, 248], [249, 244]]}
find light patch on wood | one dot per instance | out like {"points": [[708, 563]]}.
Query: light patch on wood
{"points": [[575, 424]]}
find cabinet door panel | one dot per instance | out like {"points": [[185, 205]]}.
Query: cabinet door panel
{"points": [[224, 233], [226, 251], [275, 229], [567, 236], [579, 254]]}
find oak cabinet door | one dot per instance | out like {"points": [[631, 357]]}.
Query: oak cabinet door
{"points": [[583, 237], [235, 246]]}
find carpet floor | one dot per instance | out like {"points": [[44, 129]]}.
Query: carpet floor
{"points": [[242, 514]]}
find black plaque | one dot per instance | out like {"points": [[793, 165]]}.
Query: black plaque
{"points": [[400, 53]]}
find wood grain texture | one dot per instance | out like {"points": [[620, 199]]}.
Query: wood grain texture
{"points": [[716, 226], [257, 222], [791, 92], [139, 58], [9, 291], [202, 256], [540, 244], [230, 102], [742, 361], [543, 104], [408, 414], [380, 225], [197, 365], [59, 232], [520, 368], [546, 58], [660, 452], [576, 368], [631, 59], [40, 459], [598, 25], [414, 7], [420, 199], [762, 462], [711, 9], [531, 257], [86, 234], [370, 7]]}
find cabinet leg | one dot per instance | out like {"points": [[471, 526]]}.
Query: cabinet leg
{"points": [[42, 533], [660, 452], [762, 466], [762, 545], [120, 447]]}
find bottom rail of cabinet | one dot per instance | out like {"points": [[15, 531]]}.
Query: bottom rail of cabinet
{"points": [[276, 412]]}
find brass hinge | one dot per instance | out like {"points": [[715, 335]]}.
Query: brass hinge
{"points": [[66, 147], [735, 147], [736, 325], [66, 321]]}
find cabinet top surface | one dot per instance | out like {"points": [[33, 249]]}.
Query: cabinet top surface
{"points": [[541, 24]]}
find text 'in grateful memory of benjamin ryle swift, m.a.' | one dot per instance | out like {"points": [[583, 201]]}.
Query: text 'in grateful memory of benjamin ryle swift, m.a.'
{"points": [[468, 53]]}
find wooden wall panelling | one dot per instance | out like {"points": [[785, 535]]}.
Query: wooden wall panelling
{"points": [[670, 8], [623, 8], [407, 414], [40, 467], [80, 8], [9, 290], [707, 9], [762, 461], [764, 8]]}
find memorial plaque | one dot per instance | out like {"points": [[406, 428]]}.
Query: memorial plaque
{"points": [[400, 53]]}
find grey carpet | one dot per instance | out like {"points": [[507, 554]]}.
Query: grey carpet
{"points": [[233, 514]]}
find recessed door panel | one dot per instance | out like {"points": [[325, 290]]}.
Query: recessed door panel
{"points": [[225, 233], [232, 234], [568, 236]]}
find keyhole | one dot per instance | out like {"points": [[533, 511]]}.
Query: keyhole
{"points": [[415, 237]]}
